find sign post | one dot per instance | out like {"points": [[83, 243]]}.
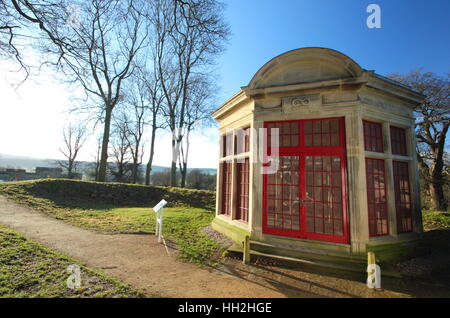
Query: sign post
{"points": [[159, 220]]}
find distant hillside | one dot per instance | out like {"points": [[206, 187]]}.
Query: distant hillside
{"points": [[30, 163], [22, 162]]}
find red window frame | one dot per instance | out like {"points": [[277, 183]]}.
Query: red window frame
{"points": [[303, 151], [376, 197], [373, 136], [402, 192], [321, 133], [398, 141], [288, 132], [324, 199], [227, 171], [283, 187], [243, 177]]}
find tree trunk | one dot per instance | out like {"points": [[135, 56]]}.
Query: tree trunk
{"points": [[438, 201], [148, 171], [96, 171], [437, 195], [105, 142], [184, 158], [183, 175], [173, 167], [135, 165], [173, 174], [69, 170], [134, 173]]}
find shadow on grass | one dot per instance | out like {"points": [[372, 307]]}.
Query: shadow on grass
{"points": [[438, 239], [82, 204], [100, 205]]}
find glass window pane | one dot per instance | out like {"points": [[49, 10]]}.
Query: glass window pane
{"points": [[373, 137], [338, 228], [308, 127], [318, 225], [334, 140], [317, 140], [288, 191], [317, 127], [402, 196], [328, 226], [308, 141], [376, 197], [310, 225], [325, 126], [334, 126]]}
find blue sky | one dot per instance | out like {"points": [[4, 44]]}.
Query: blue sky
{"points": [[413, 34]]}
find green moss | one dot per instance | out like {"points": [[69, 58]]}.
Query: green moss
{"points": [[234, 233], [397, 252], [435, 220]]}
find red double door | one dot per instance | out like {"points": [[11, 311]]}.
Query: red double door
{"points": [[306, 196]]}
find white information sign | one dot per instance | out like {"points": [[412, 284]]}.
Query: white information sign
{"points": [[159, 218]]}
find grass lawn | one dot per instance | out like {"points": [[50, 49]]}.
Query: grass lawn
{"points": [[27, 269], [182, 225]]}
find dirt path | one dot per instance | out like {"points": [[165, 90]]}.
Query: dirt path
{"points": [[143, 263]]}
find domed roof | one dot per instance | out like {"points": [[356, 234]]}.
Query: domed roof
{"points": [[304, 65]]}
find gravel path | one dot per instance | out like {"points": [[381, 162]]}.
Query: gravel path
{"points": [[140, 261]]}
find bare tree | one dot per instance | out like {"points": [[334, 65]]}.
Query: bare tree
{"points": [[196, 179], [161, 178], [135, 123], [156, 102], [432, 124], [148, 95], [95, 164], [97, 52], [22, 22], [121, 168], [188, 36], [74, 137], [9, 28], [199, 107]]}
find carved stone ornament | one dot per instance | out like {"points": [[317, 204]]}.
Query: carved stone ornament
{"points": [[296, 103], [302, 100]]}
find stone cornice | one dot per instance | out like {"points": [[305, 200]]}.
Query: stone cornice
{"points": [[394, 88], [368, 79], [304, 86], [236, 99]]}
